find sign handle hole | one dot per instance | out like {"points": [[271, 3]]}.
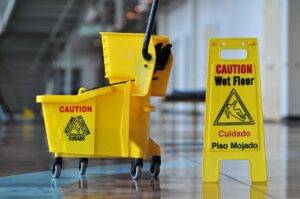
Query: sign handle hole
{"points": [[232, 54]]}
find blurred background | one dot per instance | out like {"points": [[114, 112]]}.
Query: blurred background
{"points": [[54, 47]]}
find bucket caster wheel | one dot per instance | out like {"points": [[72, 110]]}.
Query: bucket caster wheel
{"points": [[155, 163], [82, 166], [136, 169], [56, 167]]}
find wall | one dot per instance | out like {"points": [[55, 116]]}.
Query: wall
{"points": [[272, 59], [191, 24], [293, 68], [174, 21]]}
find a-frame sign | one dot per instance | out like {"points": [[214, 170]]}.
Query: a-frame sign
{"points": [[234, 127]]}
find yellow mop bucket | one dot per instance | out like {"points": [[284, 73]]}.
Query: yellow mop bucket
{"points": [[112, 121]]}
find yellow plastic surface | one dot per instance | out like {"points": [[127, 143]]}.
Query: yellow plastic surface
{"points": [[112, 121], [116, 121], [233, 117], [124, 61]]}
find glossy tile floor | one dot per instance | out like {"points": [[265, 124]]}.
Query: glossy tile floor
{"points": [[25, 161]]}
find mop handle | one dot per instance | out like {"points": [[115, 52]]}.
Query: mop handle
{"points": [[146, 54]]}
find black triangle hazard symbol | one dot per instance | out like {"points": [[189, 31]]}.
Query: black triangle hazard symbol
{"points": [[77, 126], [233, 112], [76, 129]]}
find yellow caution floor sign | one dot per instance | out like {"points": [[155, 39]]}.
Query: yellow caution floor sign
{"points": [[233, 117]]}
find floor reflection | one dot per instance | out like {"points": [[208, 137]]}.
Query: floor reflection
{"points": [[213, 190], [24, 170], [112, 187]]}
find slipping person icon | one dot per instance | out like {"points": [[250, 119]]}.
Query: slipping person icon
{"points": [[235, 112]]}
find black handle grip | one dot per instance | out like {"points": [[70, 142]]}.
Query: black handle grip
{"points": [[146, 54]]}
